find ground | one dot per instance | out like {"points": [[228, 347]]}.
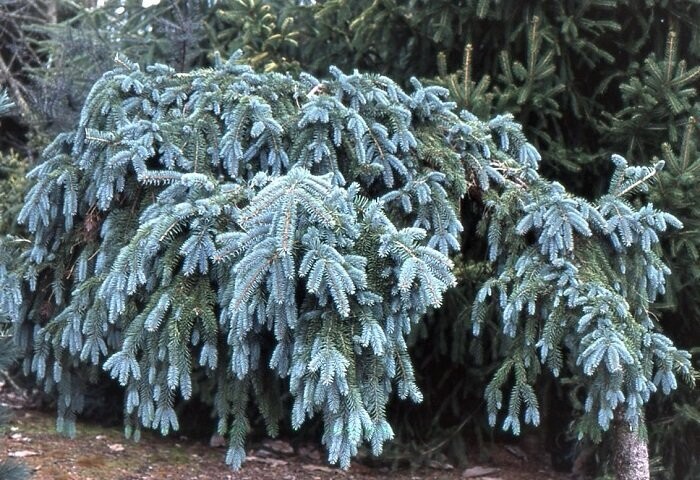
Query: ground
{"points": [[101, 453]]}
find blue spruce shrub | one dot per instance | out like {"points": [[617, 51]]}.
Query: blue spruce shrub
{"points": [[229, 234]]}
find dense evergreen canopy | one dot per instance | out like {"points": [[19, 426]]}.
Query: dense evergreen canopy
{"points": [[230, 234], [584, 79]]}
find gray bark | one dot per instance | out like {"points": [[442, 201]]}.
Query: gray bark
{"points": [[630, 454]]}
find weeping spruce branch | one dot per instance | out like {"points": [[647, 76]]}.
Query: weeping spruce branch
{"points": [[235, 234]]}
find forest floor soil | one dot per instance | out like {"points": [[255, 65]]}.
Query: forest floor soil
{"points": [[102, 453]]}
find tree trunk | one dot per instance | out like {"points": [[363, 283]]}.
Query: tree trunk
{"points": [[630, 454]]}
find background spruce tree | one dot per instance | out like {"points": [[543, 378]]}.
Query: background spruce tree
{"points": [[57, 56], [12, 171]]}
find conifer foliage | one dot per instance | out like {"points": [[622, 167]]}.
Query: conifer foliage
{"points": [[9, 470], [235, 225], [579, 292], [227, 234], [12, 171]]}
